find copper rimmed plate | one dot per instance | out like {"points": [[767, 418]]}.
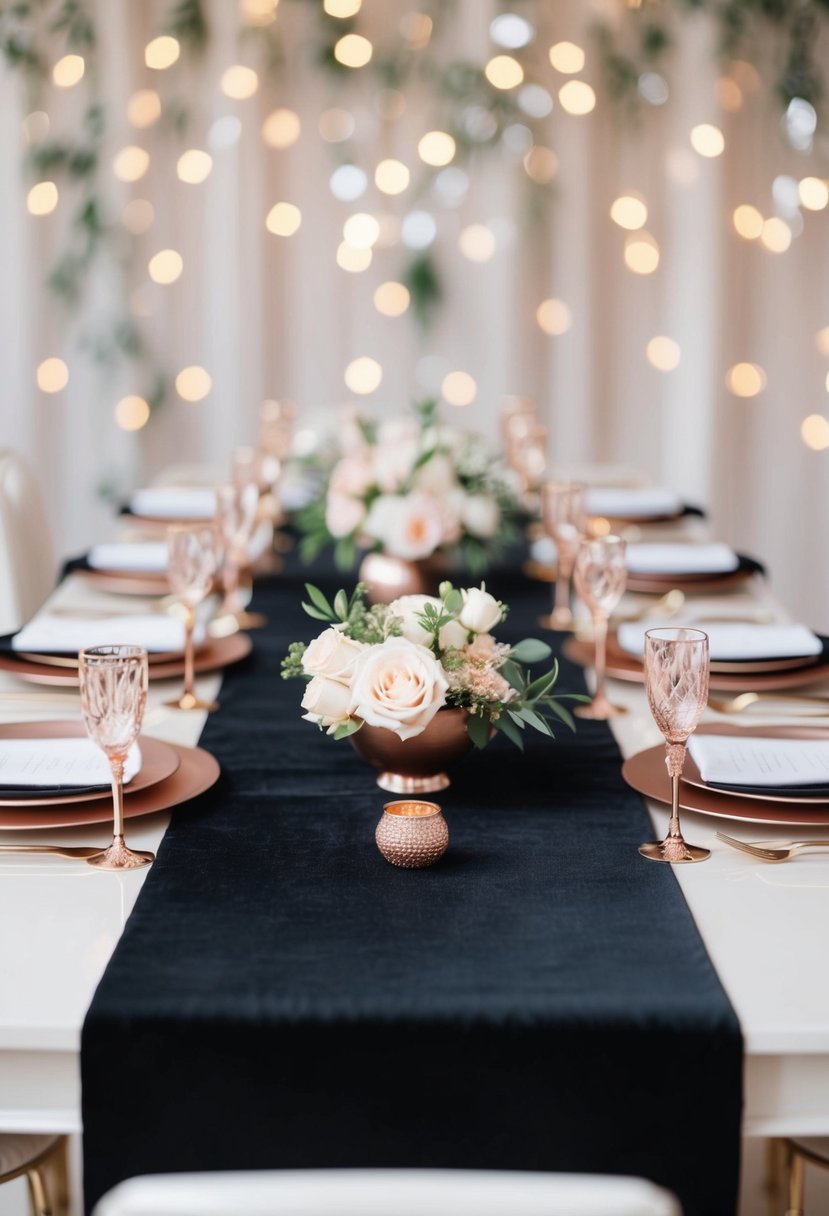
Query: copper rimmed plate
{"points": [[623, 666], [196, 773], [159, 761], [215, 655], [71, 660], [735, 667], [647, 774]]}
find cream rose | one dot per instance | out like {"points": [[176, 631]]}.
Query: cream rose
{"points": [[481, 515], [326, 702], [333, 655], [399, 686], [481, 611], [343, 514], [408, 526], [409, 608]]}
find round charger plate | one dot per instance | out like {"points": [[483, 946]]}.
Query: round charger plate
{"points": [[647, 774], [658, 584], [159, 761], [732, 667], [71, 660], [216, 654], [196, 773], [623, 666]]}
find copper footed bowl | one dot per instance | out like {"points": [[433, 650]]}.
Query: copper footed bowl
{"points": [[387, 578], [415, 766]]}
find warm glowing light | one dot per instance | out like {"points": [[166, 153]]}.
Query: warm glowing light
{"points": [[822, 340], [239, 82], [165, 266], [144, 108], [342, 8], [194, 166], [814, 193], [68, 71], [283, 219], [436, 148], [391, 177], [361, 230], [814, 431], [52, 375], [258, 12], [477, 242], [363, 375], [567, 57], [391, 299], [193, 383], [663, 353], [707, 139], [353, 51], [353, 258], [554, 317], [42, 198], [629, 211], [138, 216], [746, 379], [504, 72], [748, 222], [459, 388], [577, 97], [162, 52], [416, 28], [541, 164], [641, 253], [131, 413], [729, 94], [281, 129], [336, 125], [776, 235], [131, 163]]}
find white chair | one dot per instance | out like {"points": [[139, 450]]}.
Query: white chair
{"points": [[28, 568], [386, 1193]]}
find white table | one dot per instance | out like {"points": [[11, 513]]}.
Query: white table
{"points": [[764, 926]]}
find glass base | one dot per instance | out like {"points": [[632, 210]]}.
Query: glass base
{"points": [[119, 857], [561, 620], [675, 852], [189, 700]]}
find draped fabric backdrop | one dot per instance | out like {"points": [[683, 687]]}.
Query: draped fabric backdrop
{"points": [[272, 316]]}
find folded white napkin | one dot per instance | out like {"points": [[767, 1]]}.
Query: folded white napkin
{"points": [[174, 502], [623, 503], [49, 762], [543, 550], [681, 559], [732, 760], [145, 557], [58, 635], [738, 641]]}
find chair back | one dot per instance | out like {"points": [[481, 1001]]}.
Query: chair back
{"points": [[385, 1192], [28, 567]]}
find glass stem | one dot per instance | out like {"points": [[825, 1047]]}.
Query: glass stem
{"points": [[562, 597], [117, 766], [600, 661], [189, 674], [675, 761], [231, 583]]}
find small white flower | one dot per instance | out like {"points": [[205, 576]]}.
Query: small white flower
{"points": [[408, 526], [481, 515], [481, 612], [326, 702]]}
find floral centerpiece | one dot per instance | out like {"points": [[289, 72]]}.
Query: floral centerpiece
{"points": [[409, 488], [417, 682]]}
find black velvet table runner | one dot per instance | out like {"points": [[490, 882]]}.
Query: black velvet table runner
{"points": [[282, 997]]}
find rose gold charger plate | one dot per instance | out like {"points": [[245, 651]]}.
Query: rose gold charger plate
{"points": [[195, 772], [647, 774], [159, 761], [216, 654], [762, 676], [658, 584]]}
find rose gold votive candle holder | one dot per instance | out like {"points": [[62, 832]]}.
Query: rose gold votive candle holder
{"points": [[412, 834]]}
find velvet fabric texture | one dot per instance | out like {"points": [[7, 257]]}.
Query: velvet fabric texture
{"points": [[282, 997]]}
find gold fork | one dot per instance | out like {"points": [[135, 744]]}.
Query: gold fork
{"points": [[744, 700], [770, 852], [84, 852]]}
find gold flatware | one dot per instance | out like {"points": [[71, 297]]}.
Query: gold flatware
{"points": [[750, 618], [667, 605], [744, 700], [770, 852], [82, 852]]}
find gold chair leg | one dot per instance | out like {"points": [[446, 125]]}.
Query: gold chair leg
{"points": [[796, 1183], [60, 1163], [774, 1172], [37, 1193]]}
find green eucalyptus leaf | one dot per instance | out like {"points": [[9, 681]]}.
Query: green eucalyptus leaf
{"points": [[478, 729], [341, 605], [533, 719], [348, 728], [531, 650], [318, 599], [555, 707], [513, 674], [316, 614], [541, 685], [508, 728]]}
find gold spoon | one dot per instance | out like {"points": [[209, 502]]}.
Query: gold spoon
{"points": [[667, 605]]}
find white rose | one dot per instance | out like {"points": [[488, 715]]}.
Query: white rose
{"points": [[481, 611], [437, 475], [408, 526], [352, 475], [343, 514], [481, 515], [326, 702], [399, 686], [408, 609], [333, 655]]}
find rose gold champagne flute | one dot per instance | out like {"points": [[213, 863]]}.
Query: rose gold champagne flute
{"points": [[113, 683], [192, 561], [676, 681], [236, 504], [564, 517], [600, 575]]}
